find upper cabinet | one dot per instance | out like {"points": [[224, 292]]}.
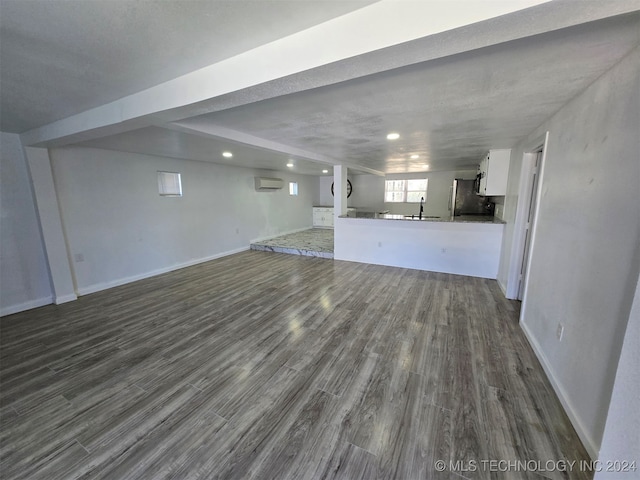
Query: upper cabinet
{"points": [[494, 171]]}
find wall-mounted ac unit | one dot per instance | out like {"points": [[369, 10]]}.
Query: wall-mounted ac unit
{"points": [[266, 183]]}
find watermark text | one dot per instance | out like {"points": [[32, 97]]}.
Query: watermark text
{"points": [[539, 466]]}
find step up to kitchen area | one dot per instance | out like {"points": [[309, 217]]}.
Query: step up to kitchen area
{"points": [[315, 242]]}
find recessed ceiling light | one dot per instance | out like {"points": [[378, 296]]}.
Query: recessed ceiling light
{"points": [[290, 164], [425, 166], [393, 136], [325, 171], [227, 154], [415, 156]]}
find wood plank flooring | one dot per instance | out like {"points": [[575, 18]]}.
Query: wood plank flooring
{"points": [[271, 366]]}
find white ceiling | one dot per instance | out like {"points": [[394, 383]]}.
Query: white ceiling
{"points": [[447, 111], [451, 94], [61, 57], [175, 144]]}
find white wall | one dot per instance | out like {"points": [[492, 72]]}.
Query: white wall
{"points": [[621, 441], [438, 192], [368, 192], [24, 275], [115, 219], [324, 197], [585, 250]]}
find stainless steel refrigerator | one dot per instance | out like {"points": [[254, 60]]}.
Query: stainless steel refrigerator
{"points": [[465, 201]]}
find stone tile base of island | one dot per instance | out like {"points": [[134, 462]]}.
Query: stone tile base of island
{"points": [[315, 242], [463, 248]]}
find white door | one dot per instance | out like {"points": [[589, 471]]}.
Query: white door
{"points": [[529, 225]]}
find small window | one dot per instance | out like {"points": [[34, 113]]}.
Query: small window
{"points": [[405, 191], [293, 188], [169, 184]]}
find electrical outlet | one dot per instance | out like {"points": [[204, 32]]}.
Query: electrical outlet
{"points": [[237, 231], [78, 257], [444, 250], [379, 244], [560, 332]]}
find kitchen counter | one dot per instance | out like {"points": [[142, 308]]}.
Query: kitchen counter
{"points": [[457, 219], [464, 245]]}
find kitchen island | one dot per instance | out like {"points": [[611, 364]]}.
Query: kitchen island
{"points": [[468, 245], [425, 218]]}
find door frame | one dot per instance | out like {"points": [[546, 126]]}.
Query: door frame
{"points": [[539, 145]]}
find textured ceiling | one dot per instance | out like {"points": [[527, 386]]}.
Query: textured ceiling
{"points": [[61, 57], [175, 144], [449, 112], [124, 75]]}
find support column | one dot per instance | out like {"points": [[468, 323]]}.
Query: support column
{"points": [[339, 191], [51, 224]]}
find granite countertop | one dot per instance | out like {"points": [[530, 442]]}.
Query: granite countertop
{"points": [[331, 206], [448, 219]]}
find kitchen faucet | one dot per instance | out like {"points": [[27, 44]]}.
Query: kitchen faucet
{"points": [[421, 207]]}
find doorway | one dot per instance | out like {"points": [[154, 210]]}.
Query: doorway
{"points": [[526, 213], [528, 226]]}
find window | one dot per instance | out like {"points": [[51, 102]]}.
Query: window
{"points": [[293, 188], [407, 191], [416, 189], [394, 190], [169, 184]]}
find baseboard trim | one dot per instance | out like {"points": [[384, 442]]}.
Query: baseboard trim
{"points": [[503, 288], [21, 307], [65, 298], [289, 232], [592, 448], [123, 281]]}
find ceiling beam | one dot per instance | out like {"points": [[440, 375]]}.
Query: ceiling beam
{"points": [[354, 45], [348, 36], [194, 127]]}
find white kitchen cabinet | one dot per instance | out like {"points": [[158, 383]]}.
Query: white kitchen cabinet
{"points": [[494, 172], [323, 217]]}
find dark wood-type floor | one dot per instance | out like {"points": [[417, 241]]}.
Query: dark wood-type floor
{"points": [[270, 366]]}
